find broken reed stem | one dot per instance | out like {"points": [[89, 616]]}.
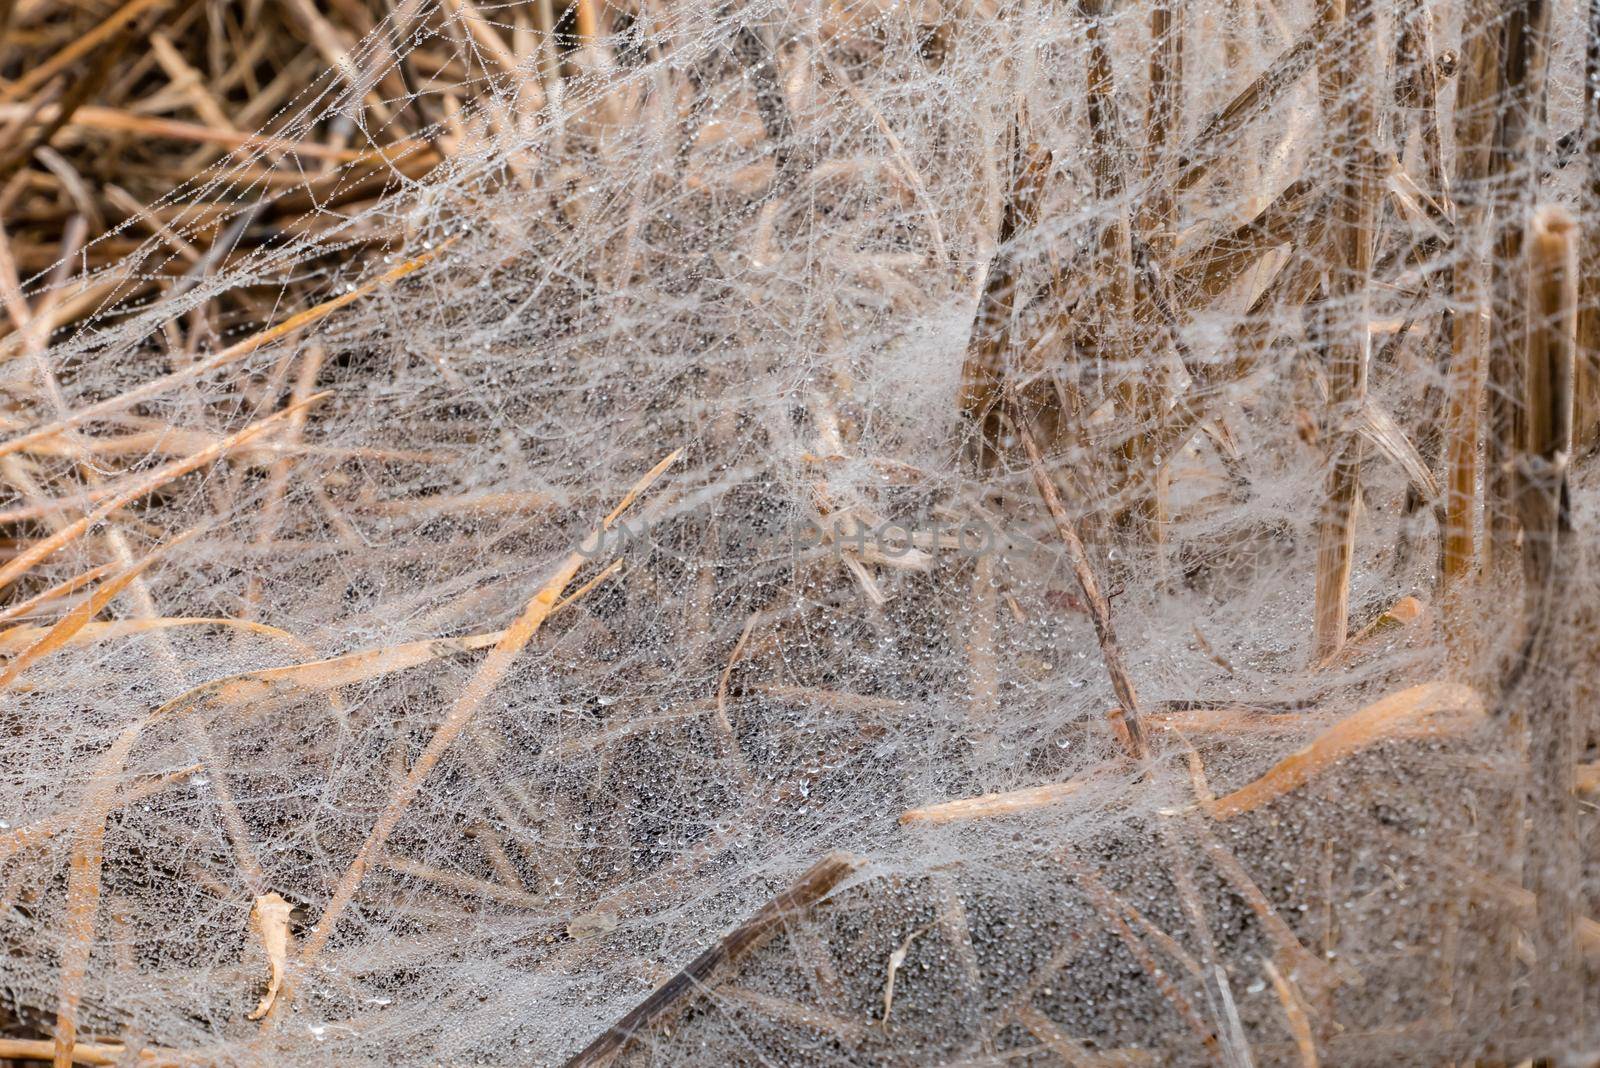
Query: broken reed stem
{"points": [[1542, 696], [1126, 719], [1113, 271], [1163, 118], [1586, 384], [1166, 91], [1105, 144], [1474, 115], [704, 972], [1156, 239], [1006, 803], [1347, 81], [1515, 177], [1418, 90], [1552, 302], [987, 368], [1256, 98]]}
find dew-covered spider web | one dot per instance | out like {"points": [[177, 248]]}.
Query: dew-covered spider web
{"points": [[1079, 510]]}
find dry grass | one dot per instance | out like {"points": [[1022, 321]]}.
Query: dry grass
{"points": [[331, 327]]}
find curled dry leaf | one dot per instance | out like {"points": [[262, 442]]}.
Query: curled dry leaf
{"points": [[270, 918], [897, 960]]}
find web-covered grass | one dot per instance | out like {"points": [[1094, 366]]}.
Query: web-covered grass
{"points": [[837, 300]]}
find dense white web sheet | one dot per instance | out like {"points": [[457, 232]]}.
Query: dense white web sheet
{"points": [[765, 235]]}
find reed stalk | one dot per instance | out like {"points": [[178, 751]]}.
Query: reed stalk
{"points": [[1347, 80], [1542, 690], [1474, 115], [1523, 58]]}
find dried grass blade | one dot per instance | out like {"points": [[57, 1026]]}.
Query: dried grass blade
{"points": [[1125, 719], [701, 973], [80, 46], [1379, 427], [466, 705], [988, 806], [80, 616], [84, 876], [58, 591], [1442, 705], [83, 890], [231, 354], [36, 552], [17, 839], [89, 1053], [320, 676], [1294, 1012], [118, 628]]}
